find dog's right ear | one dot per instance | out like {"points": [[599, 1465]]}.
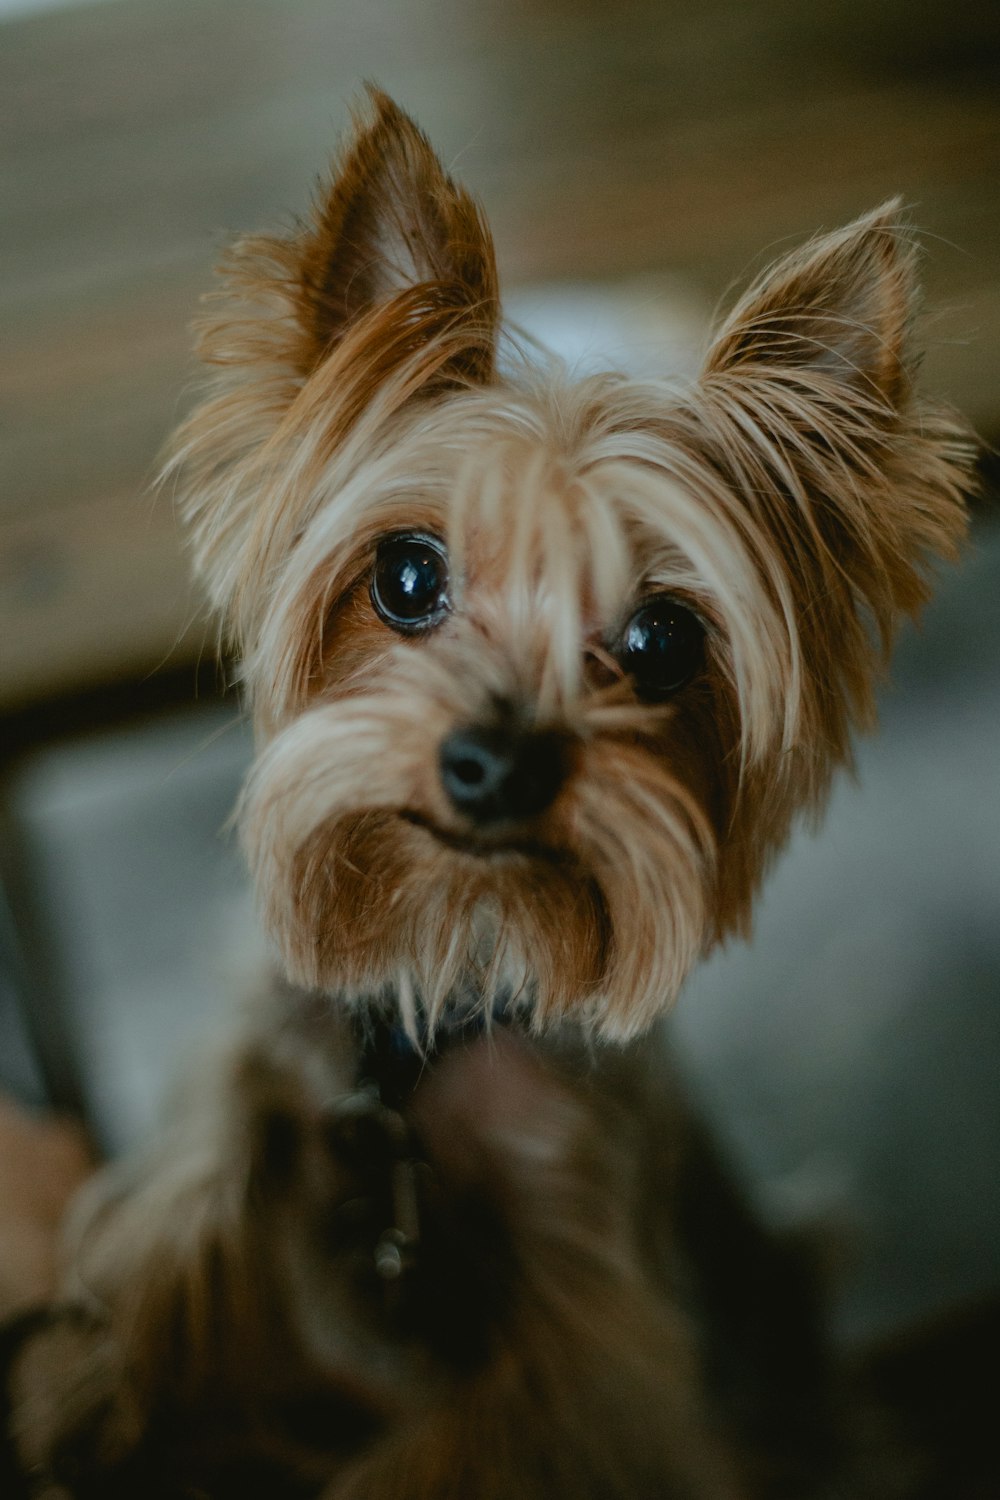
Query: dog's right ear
{"points": [[393, 221], [395, 255]]}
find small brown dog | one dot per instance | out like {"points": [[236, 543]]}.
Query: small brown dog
{"points": [[542, 671]]}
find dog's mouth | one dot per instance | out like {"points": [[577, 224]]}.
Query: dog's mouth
{"points": [[494, 846]]}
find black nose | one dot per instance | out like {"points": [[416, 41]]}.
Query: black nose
{"points": [[497, 774]]}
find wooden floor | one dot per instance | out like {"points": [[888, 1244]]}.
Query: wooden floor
{"points": [[606, 138]]}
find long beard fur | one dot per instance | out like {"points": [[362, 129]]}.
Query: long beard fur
{"points": [[363, 899]]}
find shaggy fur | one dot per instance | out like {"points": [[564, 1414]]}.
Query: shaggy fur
{"points": [[586, 1310], [793, 496], [225, 1321]]}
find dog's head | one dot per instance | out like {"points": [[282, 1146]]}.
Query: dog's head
{"points": [[543, 668]]}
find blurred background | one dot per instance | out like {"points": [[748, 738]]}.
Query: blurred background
{"points": [[631, 153]]}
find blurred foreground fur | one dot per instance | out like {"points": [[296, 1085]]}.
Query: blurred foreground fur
{"points": [[542, 671], [533, 1279], [580, 1305]]}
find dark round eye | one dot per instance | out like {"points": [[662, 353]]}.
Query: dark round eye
{"points": [[409, 586], [661, 648]]}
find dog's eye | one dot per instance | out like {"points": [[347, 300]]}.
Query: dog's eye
{"points": [[661, 648], [409, 587]]}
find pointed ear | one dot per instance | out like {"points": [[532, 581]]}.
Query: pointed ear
{"points": [[395, 275], [857, 484], [391, 221], [839, 307]]}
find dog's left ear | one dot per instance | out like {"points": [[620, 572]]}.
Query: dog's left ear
{"points": [[853, 484], [840, 307]]}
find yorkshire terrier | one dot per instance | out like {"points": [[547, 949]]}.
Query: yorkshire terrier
{"points": [[542, 671]]}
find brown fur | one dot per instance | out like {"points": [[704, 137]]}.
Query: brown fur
{"points": [[591, 1311], [794, 495], [794, 498], [224, 1319]]}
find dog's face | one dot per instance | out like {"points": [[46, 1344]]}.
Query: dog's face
{"points": [[543, 669]]}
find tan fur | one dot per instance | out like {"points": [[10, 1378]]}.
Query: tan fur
{"points": [[794, 494], [794, 497]]}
